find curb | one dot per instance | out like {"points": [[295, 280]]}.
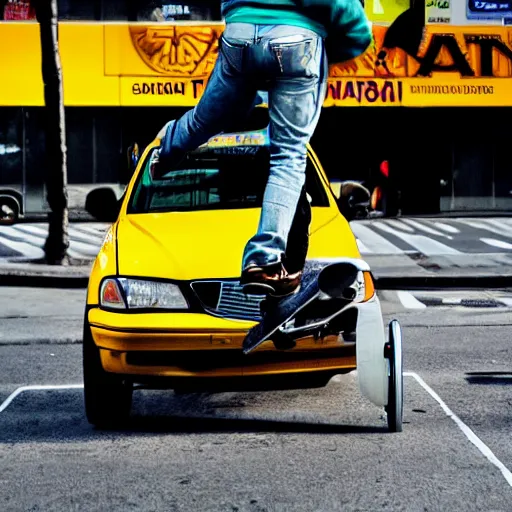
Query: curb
{"points": [[384, 282], [483, 282], [43, 281], [466, 303], [40, 341]]}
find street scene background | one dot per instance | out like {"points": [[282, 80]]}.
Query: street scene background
{"points": [[417, 132]]}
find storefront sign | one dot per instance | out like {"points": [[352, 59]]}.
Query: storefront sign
{"points": [[488, 9], [170, 65], [438, 11]]}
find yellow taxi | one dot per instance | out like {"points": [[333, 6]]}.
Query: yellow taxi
{"points": [[164, 303]]}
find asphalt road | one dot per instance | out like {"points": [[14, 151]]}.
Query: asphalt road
{"points": [[325, 449]]}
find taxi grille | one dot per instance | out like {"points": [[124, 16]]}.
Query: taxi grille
{"points": [[226, 298]]}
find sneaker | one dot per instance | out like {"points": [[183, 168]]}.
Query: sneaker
{"points": [[272, 280]]}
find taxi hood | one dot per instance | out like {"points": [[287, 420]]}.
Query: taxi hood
{"points": [[207, 244]]}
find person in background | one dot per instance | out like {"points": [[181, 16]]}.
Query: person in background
{"points": [[276, 46]]}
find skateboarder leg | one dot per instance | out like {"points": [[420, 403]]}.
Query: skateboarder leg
{"points": [[298, 237], [273, 46]]}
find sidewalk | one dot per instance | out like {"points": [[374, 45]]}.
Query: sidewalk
{"points": [[391, 272], [403, 253], [44, 276]]}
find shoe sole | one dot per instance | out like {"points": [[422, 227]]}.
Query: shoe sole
{"points": [[257, 289], [281, 296]]}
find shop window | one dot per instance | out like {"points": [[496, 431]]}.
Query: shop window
{"points": [[11, 146], [108, 164], [79, 9], [80, 144], [502, 174], [114, 10]]}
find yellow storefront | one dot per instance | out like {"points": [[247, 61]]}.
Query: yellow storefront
{"points": [[125, 65], [118, 69]]}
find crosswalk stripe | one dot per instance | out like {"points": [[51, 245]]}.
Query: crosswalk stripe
{"points": [[97, 232], [92, 237], [34, 230], [87, 239], [362, 247], [398, 224], [75, 254], [26, 250], [426, 229], [373, 241], [77, 249], [377, 236], [32, 239], [446, 227], [486, 227], [86, 243], [423, 244], [501, 226], [98, 235], [496, 243]]}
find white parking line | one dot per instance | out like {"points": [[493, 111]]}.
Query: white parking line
{"points": [[22, 389], [482, 447], [472, 437]]}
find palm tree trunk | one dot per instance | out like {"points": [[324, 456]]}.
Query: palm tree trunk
{"points": [[57, 243]]}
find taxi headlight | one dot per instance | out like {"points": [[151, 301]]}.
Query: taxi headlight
{"points": [[125, 293]]}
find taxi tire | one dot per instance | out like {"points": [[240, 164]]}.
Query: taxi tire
{"points": [[107, 397]]}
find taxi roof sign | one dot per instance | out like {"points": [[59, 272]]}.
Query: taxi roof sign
{"points": [[259, 138]]}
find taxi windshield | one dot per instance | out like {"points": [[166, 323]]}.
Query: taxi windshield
{"points": [[212, 178]]}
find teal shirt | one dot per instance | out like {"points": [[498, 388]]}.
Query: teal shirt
{"points": [[342, 23], [245, 14]]}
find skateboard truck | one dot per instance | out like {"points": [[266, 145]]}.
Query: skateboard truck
{"points": [[283, 341]]}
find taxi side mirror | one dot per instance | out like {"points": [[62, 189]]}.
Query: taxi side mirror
{"points": [[103, 205]]}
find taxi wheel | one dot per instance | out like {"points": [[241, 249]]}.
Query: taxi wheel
{"points": [[393, 353], [108, 397]]}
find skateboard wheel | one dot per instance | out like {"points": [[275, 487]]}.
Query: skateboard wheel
{"points": [[282, 341]]}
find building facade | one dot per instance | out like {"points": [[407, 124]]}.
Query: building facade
{"points": [[432, 97]]}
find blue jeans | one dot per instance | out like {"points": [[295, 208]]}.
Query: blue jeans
{"points": [[289, 62]]}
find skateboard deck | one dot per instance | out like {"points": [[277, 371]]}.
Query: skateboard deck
{"points": [[276, 312]]}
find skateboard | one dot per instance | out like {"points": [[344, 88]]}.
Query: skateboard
{"points": [[329, 282]]}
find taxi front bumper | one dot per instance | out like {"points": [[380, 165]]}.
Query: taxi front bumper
{"points": [[200, 345]]}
